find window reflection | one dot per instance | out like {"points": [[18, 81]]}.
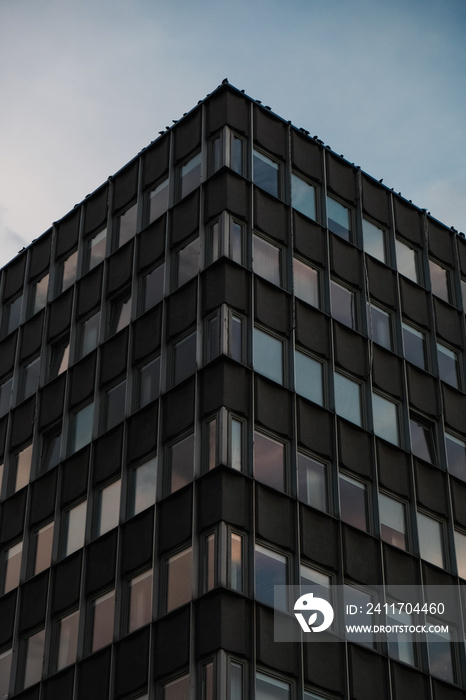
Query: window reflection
{"points": [[392, 521], [179, 579], [181, 458], [103, 613], [448, 369], [456, 456], [266, 173], [190, 175], [339, 219], [107, 508], [271, 569], [306, 283], [95, 249], [12, 567], [348, 398], [266, 259], [268, 355], [343, 302], [422, 439], [34, 656], [158, 200], [312, 482], [142, 488], [406, 259], [67, 640], [439, 280], [414, 344], [309, 377], [140, 600], [303, 196], [374, 240], [380, 326], [353, 502], [127, 225], [184, 358], [152, 287], [269, 461], [430, 532], [385, 415]]}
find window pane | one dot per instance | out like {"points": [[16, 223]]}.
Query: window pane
{"points": [[210, 563], [59, 358], [13, 314], [153, 287], [103, 613], [235, 580], [158, 201], [190, 175], [208, 681], [266, 173], [306, 283], [374, 240], [34, 657], [39, 294], [181, 463], [236, 242], [184, 358], [309, 377], [353, 502], [187, 260], [460, 549], [339, 219], [268, 355], [114, 405], [89, 334], [385, 414], [74, 528], [348, 398], [392, 521], [439, 281], [43, 548], [312, 482], [108, 508], [120, 315], [401, 642], [422, 440], [414, 346], [179, 579], [127, 225], [236, 681], [271, 569], [236, 155], [67, 640], [379, 326], [81, 427], [30, 378], [447, 365], [12, 567], [269, 461], [213, 338], [303, 196], [268, 688], [143, 482], [69, 271], [5, 669], [361, 599], [140, 600], [148, 382], [343, 304], [456, 456], [266, 259], [178, 689], [235, 338], [406, 260], [430, 533], [236, 444], [441, 654], [23, 467], [96, 249]]}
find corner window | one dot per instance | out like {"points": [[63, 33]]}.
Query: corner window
{"points": [[312, 482], [268, 355], [392, 515], [235, 443], [269, 461], [67, 640], [5, 395], [209, 561], [456, 455], [147, 382], [157, 200], [95, 247], [139, 601], [73, 528], [184, 357], [448, 365], [12, 315], [225, 236], [271, 569], [12, 567], [190, 175], [126, 225], [266, 173], [89, 334], [422, 439], [270, 688], [407, 260], [179, 579], [379, 324], [120, 313], [348, 398], [114, 405], [107, 508], [236, 675], [353, 502], [38, 295], [66, 276], [343, 304], [338, 219], [374, 240], [152, 287], [440, 281], [309, 377], [306, 283], [187, 262], [211, 438], [102, 614], [236, 566], [80, 428], [181, 463], [386, 418], [267, 260], [142, 486], [303, 196], [33, 658], [431, 542], [41, 543], [414, 345]]}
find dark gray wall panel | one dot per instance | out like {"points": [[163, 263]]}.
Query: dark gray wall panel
{"points": [[415, 303], [151, 243], [147, 333], [132, 663], [95, 209], [66, 582], [7, 616], [351, 351], [40, 255], [224, 494], [270, 133], [441, 242], [60, 686], [431, 488], [182, 309], [82, 377], [90, 291], [408, 221], [43, 498], [107, 455], [137, 542], [449, 323], [175, 519], [368, 674], [7, 353], [422, 391], [272, 307], [51, 401], [59, 314], [188, 135], [341, 178], [227, 107], [401, 568], [67, 233], [275, 517], [31, 336], [101, 562], [409, 683], [14, 276], [226, 191], [185, 218], [382, 282], [271, 216], [155, 161], [75, 474], [94, 676], [142, 433], [23, 423], [178, 409], [394, 469], [223, 621], [224, 383], [387, 372], [346, 261], [125, 185], [454, 405], [375, 201], [324, 665], [226, 283], [277, 655], [306, 156], [361, 556], [312, 329], [172, 641], [114, 355], [356, 449], [273, 407], [309, 239], [315, 428], [120, 267], [320, 538], [458, 492], [33, 602]]}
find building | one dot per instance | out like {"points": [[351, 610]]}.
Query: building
{"points": [[238, 363]]}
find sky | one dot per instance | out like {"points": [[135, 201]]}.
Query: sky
{"points": [[86, 84]]}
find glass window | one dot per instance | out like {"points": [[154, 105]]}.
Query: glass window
{"points": [[67, 275], [190, 175], [456, 456], [430, 532], [120, 314], [95, 249], [80, 430], [214, 242], [236, 562], [271, 569], [237, 154], [353, 502], [184, 357], [343, 302], [12, 564], [67, 634], [439, 281], [33, 658], [42, 548], [266, 173], [306, 283], [73, 528], [269, 461], [268, 355], [339, 219], [127, 225], [392, 515], [379, 324], [142, 486], [303, 196], [179, 689], [311, 577], [414, 344], [59, 357], [181, 460], [209, 563], [148, 382], [235, 680], [235, 241], [22, 467], [374, 240], [235, 338], [158, 200], [5, 395], [269, 688], [102, 617], [386, 421], [114, 405], [5, 669], [50, 453], [187, 262], [140, 600], [361, 599], [406, 258], [216, 155], [12, 314], [179, 579], [309, 377], [212, 443], [348, 398], [235, 444], [448, 365], [38, 295], [107, 508], [30, 378], [266, 260], [225, 237], [89, 334], [212, 338], [460, 549], [441, 654], [152, 287], [422, 439], [401, 639], [312, 482]]}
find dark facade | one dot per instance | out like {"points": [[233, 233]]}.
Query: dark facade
{"points": [[238, 363]]}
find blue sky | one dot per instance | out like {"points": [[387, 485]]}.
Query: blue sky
{"points": [[86, 84]]}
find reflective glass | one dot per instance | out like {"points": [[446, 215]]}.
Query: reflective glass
{"points": [[148, 382], [268, 688], [441, 654], [406, 260], [400, 640], [306, 283], [96, 246], [456, 456], [34, 657], [114, 409], [439, 280], [69, 271], [343, 304], [361, 599], [271, 569], [374, 240], [127, 225], [213, 338], [181, 463], [108, 508], [379, 326], [23, 467], [74, 528], [236, 241], [430, 532], [120, 315], [339, 219], [236, 444], [235, 574], [385, 415], [178, 689], [90, 334], [30, 378], [13, 314], [12, 566], [309, 377], [235, 681], [236, 154], [158, 201], [269, 461], [81, 427], [103, 613], [303, 196], [392, 515], [447, 365], [460, 549], [67, 640], [5, 670], [190, 175], [268, 355], [266, 259], [235, 338], [140, 600], [209, 574], [422, 439], [348, 398], [414, 345], [39, 294], [266, 173], [312, 482], [143, 482], [153, 287], [179, 579], [188, 261], [353, 502], [59, 358], [184, 358], [43, 548], [208, 682]]}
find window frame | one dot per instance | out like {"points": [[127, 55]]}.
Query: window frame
{"points": [[269, 550], [416, 332], [361, 386], [443, 348], [98, 509], [265, 435], [365, 238], [180, 190], [298, 176], [418, 277], [320, 398], [442, 538], [144, 306], [380, 433], [72, 445], [117, 310], [265, 156], [355, 311], [315, 298], [168, 463], [407, 528], [349, 209], [187, 581], [445, 295], [258, 265], [117, 222], [371, 306], [162, 185], [326, 482], [431, 427], [258, 361], [89, 257], [102, 596], [189, 335], [356, 482], [132, 509]]}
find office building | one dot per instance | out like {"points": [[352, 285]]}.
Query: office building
{"points": [[238, 363]]}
